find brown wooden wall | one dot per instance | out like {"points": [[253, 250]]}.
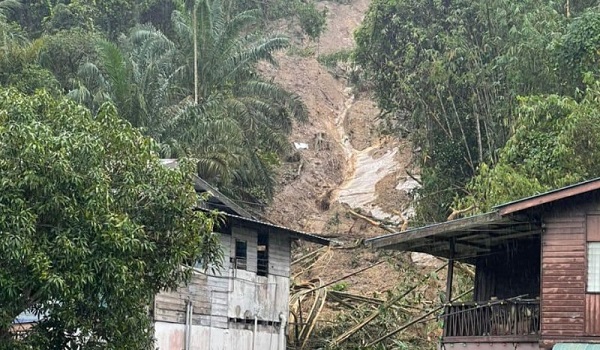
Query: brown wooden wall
{"points": [[563, 275]]}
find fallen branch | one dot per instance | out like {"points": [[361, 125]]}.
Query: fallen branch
{"points": [[414, 178], [306, 256], [340, 339], [455, 212], [305, 269], [372, 222], [315, 311], [416, 320], [343, 278], [404, 224]]}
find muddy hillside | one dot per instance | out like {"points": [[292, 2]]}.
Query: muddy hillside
{"points": [[347, 174]]}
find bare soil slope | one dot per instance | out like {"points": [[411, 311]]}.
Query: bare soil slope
{"points": [[348, 166], [342, 129]]}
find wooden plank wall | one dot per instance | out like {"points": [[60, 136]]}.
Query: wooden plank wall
{"points": [[592, 311], [250, 236], [563, 275], [279, 254], [232, 293], [209, 294]]}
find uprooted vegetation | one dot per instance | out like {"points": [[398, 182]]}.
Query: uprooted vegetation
{"points": [[404, 315]]}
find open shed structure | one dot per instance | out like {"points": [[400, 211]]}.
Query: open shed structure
{"points": [[537, 271], [244, 304]]}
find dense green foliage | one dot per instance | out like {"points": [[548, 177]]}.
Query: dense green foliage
{"points": [[458, 67], [554, 144], [92, 225]]}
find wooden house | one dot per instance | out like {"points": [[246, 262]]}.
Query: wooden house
{"points": [[243, 305], [537, 271]]}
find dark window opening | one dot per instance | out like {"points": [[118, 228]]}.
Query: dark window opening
{"points": [[262, 254], [241, 257], [249, 322]]}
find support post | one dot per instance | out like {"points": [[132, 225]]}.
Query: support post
{"points": [[450, 272]]}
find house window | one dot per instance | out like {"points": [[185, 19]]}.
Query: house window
{"points": [[593, 274], [262, 254], [241, 254], [593, 253]]}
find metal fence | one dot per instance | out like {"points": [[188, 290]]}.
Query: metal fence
{"points": [[495, 318]]}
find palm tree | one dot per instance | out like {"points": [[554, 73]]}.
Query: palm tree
{"points": [[227, 116]]}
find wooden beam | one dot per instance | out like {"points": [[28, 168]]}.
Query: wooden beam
{"points": [[450, 272], [511, 236], [458, 225]]}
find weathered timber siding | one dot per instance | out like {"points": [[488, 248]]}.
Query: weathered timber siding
{"points": [[249, 236], [279, 250], [228, 293], [268, 295], [563, 274], [225, 298], [279, 255], [209, 294]]}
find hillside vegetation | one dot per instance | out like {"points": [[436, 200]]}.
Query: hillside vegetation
{"points": [[502, 94], [404, 113]]}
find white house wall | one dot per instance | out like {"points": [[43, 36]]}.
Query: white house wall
{"points": [[172, 336], [265, 296], [223, 300]]}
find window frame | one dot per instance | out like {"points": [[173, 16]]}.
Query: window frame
{"points": [[240, 261], [262, 253], [592, 239], [596, 290]]}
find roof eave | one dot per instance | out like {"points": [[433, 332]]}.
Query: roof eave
{"points": [[398, 238], [548, 197]]}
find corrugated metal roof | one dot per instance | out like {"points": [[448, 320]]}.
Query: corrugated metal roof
{"points": [[502, 221], [576, 346], [552, 195], [215, 196], [294, 233]]}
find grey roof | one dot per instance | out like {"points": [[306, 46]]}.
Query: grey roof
{"points": [[481, 234], [310, 237], [220, 202], [217, 200]]}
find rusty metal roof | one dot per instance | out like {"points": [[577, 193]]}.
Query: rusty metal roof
{"points": [[548, 197], [479, 234]]}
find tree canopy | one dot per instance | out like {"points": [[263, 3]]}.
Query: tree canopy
{"points": [[467, 73], [92, 225]]}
